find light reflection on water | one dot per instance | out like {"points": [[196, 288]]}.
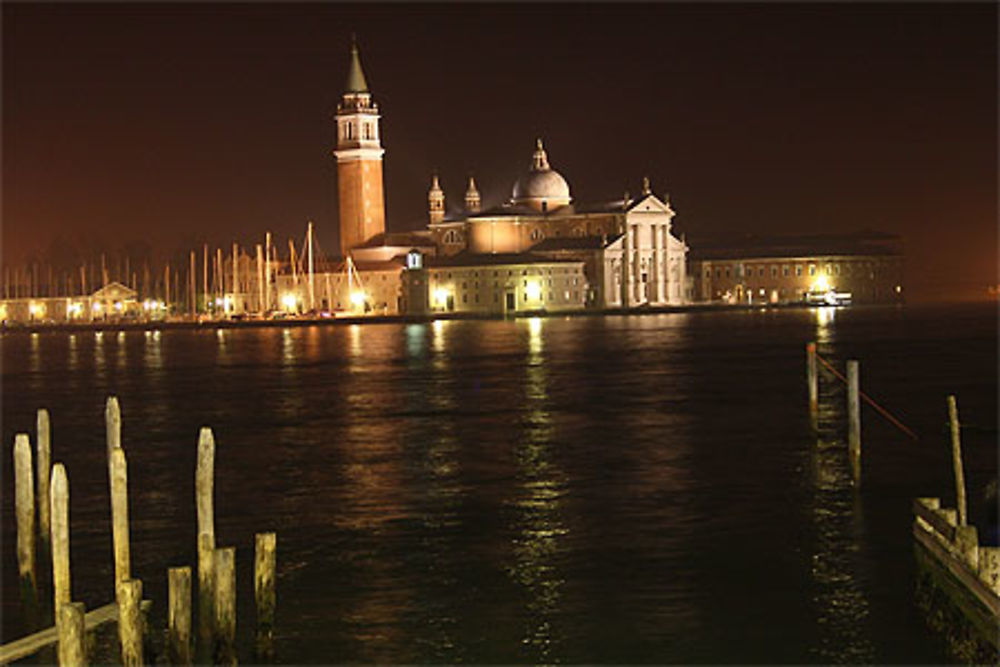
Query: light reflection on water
{"points": [[538, 524], [605, 490], [839, 600]]}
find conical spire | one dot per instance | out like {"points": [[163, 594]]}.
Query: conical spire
{"points": [[473, 201], [435, 201], [355, 75]]}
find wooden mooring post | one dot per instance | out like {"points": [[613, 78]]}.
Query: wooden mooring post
{"points": [[119, 515], [812, 379], [854, 419], [24, 508], [43, 466], [130, 621], [224, 571], [204, 483], [179, 615], [60, 538], [956, 458], [72, 627], [113, 424], [264, 592]]}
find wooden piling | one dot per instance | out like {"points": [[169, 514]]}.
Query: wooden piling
{"points": [[989, 567], [956, 459], [43, 467], [854, 419], [130, 621], [224, 570], [113, 424], [119, 515], [812, 378], [60, 537], [24, 507], [204, 482], [72, 629], [264, 592], [967, 546], [179, 615], [206, 590]]}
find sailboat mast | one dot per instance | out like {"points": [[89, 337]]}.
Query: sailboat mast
{"points": [[267, 272], [312, 277]]}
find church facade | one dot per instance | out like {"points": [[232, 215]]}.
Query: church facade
{"points": [[630, 252]]}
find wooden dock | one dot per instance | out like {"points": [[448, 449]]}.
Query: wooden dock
{"points": [[959, 581]]}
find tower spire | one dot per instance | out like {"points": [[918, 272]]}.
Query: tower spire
{"points": [[356, 82], [435, 201], [473, 202]]}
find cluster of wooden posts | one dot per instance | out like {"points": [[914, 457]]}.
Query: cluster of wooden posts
{"points": [[945, 533], [853, 405], [216, 641]]}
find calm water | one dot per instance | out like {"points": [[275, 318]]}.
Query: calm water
{"points": [[616, 490]]}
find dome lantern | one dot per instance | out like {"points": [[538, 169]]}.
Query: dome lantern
{"points": [[542, 188]]}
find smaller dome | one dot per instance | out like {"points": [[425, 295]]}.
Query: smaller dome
{"points": [[542, 187]]}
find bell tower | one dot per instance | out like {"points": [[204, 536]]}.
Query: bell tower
{"points": [[359, 161], [435, 201]]}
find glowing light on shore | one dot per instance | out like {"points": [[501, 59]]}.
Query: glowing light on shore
{"points": [[441, 295], [821, 284], [533, 290]]}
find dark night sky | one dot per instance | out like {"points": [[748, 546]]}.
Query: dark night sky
{"points": [[180, 123]]}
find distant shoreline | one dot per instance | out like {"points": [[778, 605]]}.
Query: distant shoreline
{"points": [[179, 324]]}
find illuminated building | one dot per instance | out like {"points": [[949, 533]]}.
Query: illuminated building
{"points": [[113, 303], [491, 284], [622, 253], [868, 266], [628, 248]]}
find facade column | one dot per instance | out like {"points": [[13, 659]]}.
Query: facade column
{"points": [[658, 264], [626, 266]]}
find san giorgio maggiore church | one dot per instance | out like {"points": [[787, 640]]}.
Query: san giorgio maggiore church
{"points": [[540, 251]]}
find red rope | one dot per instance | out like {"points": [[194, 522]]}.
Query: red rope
{"points": [[882, 411]]}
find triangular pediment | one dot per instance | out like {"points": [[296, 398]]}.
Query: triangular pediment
{"points": [[650, 204], [114, 291]]}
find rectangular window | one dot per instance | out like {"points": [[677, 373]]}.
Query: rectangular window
{"points": [[760, 272], [798, 270], [784, 271], [812, 269], [774, 271]]}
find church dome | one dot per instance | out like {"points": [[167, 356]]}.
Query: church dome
{"points": [[543, 187]]}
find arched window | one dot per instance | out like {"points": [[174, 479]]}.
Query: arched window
{"points": [[537, 234], [452, 237]]}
